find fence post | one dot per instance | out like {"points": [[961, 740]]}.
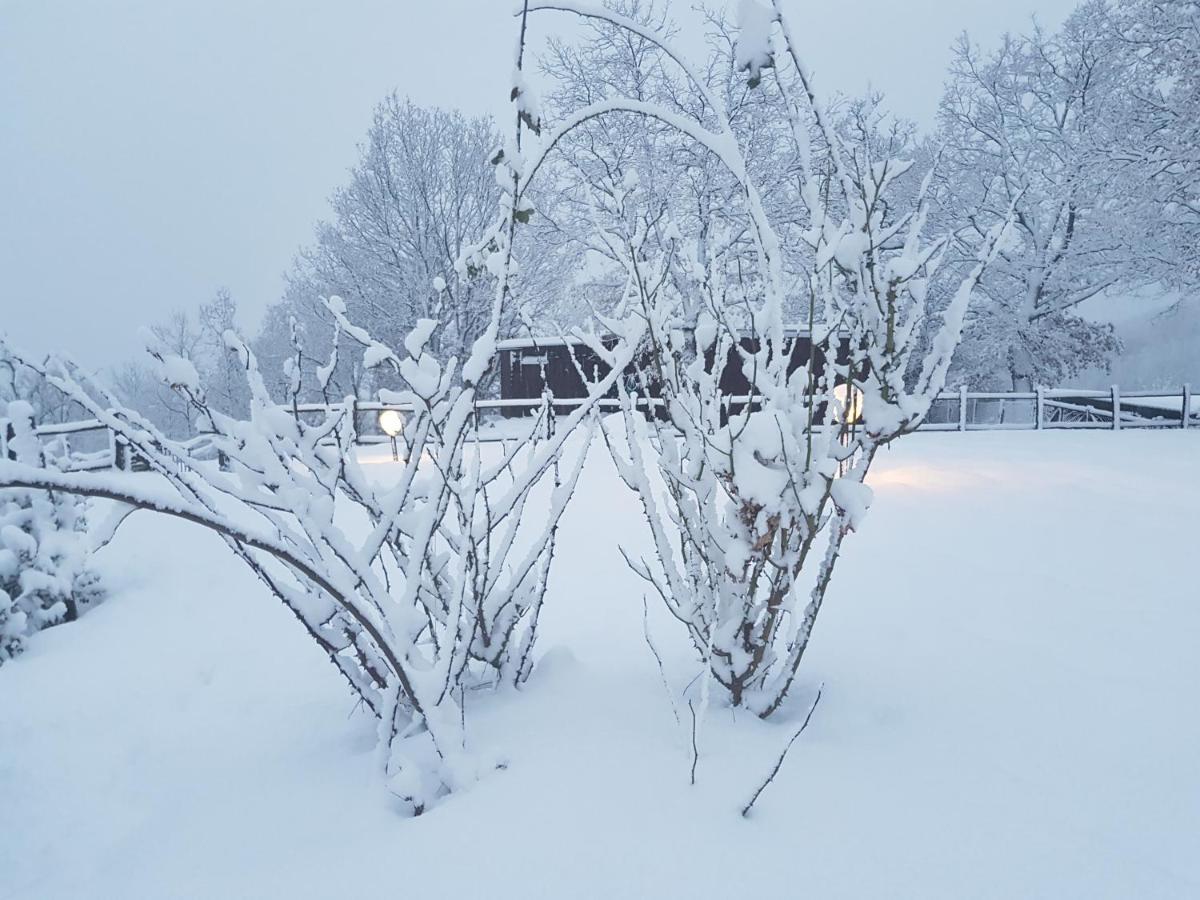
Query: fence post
{"points": [[1037, 412], [1187, 405], [962, 407], [1116, 407], [7, 434]]}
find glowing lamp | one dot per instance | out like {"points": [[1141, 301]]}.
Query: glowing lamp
{"points": [[850, 399], [391, 422]]}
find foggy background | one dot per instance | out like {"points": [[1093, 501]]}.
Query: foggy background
{"points": [[152, 151]]}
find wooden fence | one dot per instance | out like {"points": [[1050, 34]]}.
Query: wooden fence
{"points": [[90, 444]]}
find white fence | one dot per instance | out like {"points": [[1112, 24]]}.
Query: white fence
{"points": [[1049, 409], [91, 445]]}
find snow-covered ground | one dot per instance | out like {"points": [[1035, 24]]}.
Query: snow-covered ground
{"points": [[1010, 664]]}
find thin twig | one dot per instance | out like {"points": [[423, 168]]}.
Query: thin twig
{"points": [[462, 712], [779, 762], [662, 672], [695, 747]]}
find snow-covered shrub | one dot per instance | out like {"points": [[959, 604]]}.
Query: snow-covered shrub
{"points": [[749, 503], [45, 576], [418, 586]]}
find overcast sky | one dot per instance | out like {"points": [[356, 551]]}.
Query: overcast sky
{"points": [[152, 151]]}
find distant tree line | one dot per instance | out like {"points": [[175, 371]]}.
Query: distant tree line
{"points": [[1089, 134]]}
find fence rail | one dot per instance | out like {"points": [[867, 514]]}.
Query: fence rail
{"points": [[96, 447], [1042, 409]]}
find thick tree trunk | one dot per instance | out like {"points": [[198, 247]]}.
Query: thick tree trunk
{"points": [[1020, 368]]}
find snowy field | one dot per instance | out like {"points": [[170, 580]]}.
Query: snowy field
{"points": [[1010, 663]]}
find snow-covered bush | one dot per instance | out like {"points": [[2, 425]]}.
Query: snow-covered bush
{"points": [[418, 586], [749, 503], [45, 577]]}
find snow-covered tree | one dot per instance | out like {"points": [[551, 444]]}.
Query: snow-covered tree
{"points": [[1158, 142], [680, 184], [19, 382], [1027, 127], [198, 337], [421, 192], [45, 573], [748, 503]]}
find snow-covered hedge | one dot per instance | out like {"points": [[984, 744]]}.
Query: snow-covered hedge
{"points": [[45, 576]]}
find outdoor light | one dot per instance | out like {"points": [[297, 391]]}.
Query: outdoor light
{"points": [[392, 424], [850, 399]]}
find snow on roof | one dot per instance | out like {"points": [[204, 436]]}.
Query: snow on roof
{"points": [[537, 341]]}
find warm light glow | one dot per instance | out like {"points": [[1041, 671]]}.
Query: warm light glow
{"points": [[938, 479], [850, 399], [391, 422]]}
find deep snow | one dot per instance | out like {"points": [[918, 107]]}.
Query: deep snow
{"points": [[1010, 669]]}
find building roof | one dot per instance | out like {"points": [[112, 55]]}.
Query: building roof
{"points": [[540, 341]]}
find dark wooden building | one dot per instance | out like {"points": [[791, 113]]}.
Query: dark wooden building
{"points": [[530, 365]]}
